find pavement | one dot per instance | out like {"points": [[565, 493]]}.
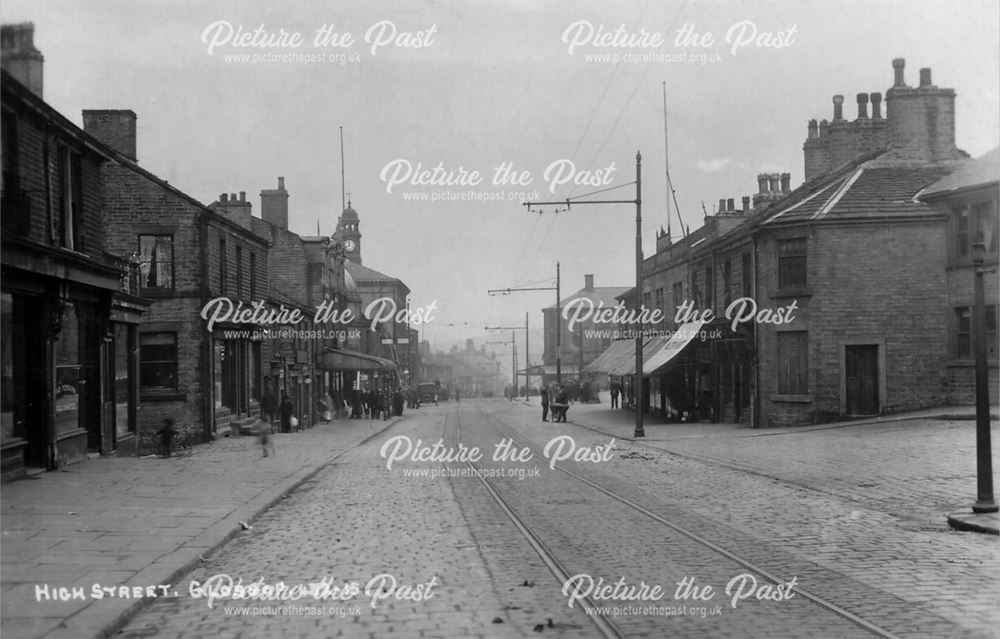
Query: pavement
{"points": [[77, 540]]}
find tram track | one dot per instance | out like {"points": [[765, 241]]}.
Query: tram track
{"points": [[604, 624]]}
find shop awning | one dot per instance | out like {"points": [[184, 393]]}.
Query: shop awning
{"points": [[671, 348], [613, 355], [550, 369], [627, 366], [341, 360]]}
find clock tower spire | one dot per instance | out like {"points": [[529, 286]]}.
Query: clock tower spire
{"points": [[349, 233]]}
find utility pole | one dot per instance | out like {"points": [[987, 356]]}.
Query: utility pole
{"points": [[639, 403], [508, 291], [527, 358]]}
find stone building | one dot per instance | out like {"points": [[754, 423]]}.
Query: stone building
{"points": [[70, 302]]}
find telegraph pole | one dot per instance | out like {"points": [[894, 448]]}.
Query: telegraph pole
{"points": [[508, 291], [639, 401]]}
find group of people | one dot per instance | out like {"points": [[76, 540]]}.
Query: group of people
{"points": [[558, 399], [375, 404]]}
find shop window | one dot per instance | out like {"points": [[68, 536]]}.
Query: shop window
{"points": [[156, 261], [68, 371], [158, 361], [123, 380], [792, 262], [964, 333], [793, 363]]}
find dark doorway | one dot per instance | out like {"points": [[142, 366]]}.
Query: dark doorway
{"points": [[861, 363]]}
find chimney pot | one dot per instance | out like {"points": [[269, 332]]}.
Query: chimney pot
{"points": [[731, 204], [813, 129], [786, 182], [722, 205], [862, 106], [761, 183], [232, 196], [588, 281], [897, 67], [925, 77], [838, 107], [224, 198], [774, 179], [243, 196], [746, 204], [281, 184], [876, 106]]}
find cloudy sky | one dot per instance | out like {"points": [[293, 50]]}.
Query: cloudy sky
{"points": [[540, 87]]}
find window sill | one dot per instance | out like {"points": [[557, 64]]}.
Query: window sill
{"points": [[971, 363], [162, 396], [792, 399], [792, 291]]}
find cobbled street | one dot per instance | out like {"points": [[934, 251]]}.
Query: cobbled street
{"points": [[803, 533]]}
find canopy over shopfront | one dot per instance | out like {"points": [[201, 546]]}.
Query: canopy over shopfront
{"points": [[341, 359], [657, 353]]}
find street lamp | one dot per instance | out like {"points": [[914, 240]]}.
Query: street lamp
{"points": [[984, 457]]}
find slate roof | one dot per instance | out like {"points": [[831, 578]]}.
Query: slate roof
{"points": [[865, 189], [980, 172], [364, 274]]}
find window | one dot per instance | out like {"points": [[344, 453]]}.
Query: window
{"points": [[156, 261], [793, 363], [727, 281], [971, 220], [964, 333], [747, 275], [645, 300], [239, 273], [792, 262], [67, 219], [223, 275], [253, 275], [659, 299], [11, 169], [709, 288], [158, 361], [678, 294]]}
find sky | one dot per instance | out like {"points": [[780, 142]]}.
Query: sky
{"points": [[559, 96]]}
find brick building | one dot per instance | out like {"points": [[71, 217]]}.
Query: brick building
{"points": [[861, 286], [587, 340], [70, 308]]}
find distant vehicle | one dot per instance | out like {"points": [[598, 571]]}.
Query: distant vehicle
{"points": [[428, 392]]}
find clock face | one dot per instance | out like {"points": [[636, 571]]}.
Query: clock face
{"points": [[349, 246]]}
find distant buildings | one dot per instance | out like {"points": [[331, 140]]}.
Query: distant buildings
{"points": [[473, 373]]}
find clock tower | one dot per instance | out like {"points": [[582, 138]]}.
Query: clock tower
{"points": [[350, 236]]}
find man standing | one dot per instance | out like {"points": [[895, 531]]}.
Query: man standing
{"points": [[544, 393], [616, 390]]}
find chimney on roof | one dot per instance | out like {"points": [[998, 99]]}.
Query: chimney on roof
{"points": [[234, 210], [113, 127], [20, 58], [813, 129], [274, 205], [925, 77], [876, 106], [862, 106], [762, 183], [746, 204], [731, 205], [588, 282], [898, 65], [921, 121], [775, 181], [786, 182], [838, 108], [722, 205]]}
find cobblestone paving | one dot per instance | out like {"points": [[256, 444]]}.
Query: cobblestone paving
{"points": [[352, 522], [880, 534]]}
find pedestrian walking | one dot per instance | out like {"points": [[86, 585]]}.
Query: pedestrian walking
{"points": [[285, 409], [269, 405], [561, 406], [616, 390], [265, 431], [544, 393]]}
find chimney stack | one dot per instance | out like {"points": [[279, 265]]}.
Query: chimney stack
{"points": [[113, 127], [274, 205], [838, 108], [238, 211], [862, 106], [19, 56], [876, 106], [925, 78], [921, 121], [588, 282], [897, 68]]}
